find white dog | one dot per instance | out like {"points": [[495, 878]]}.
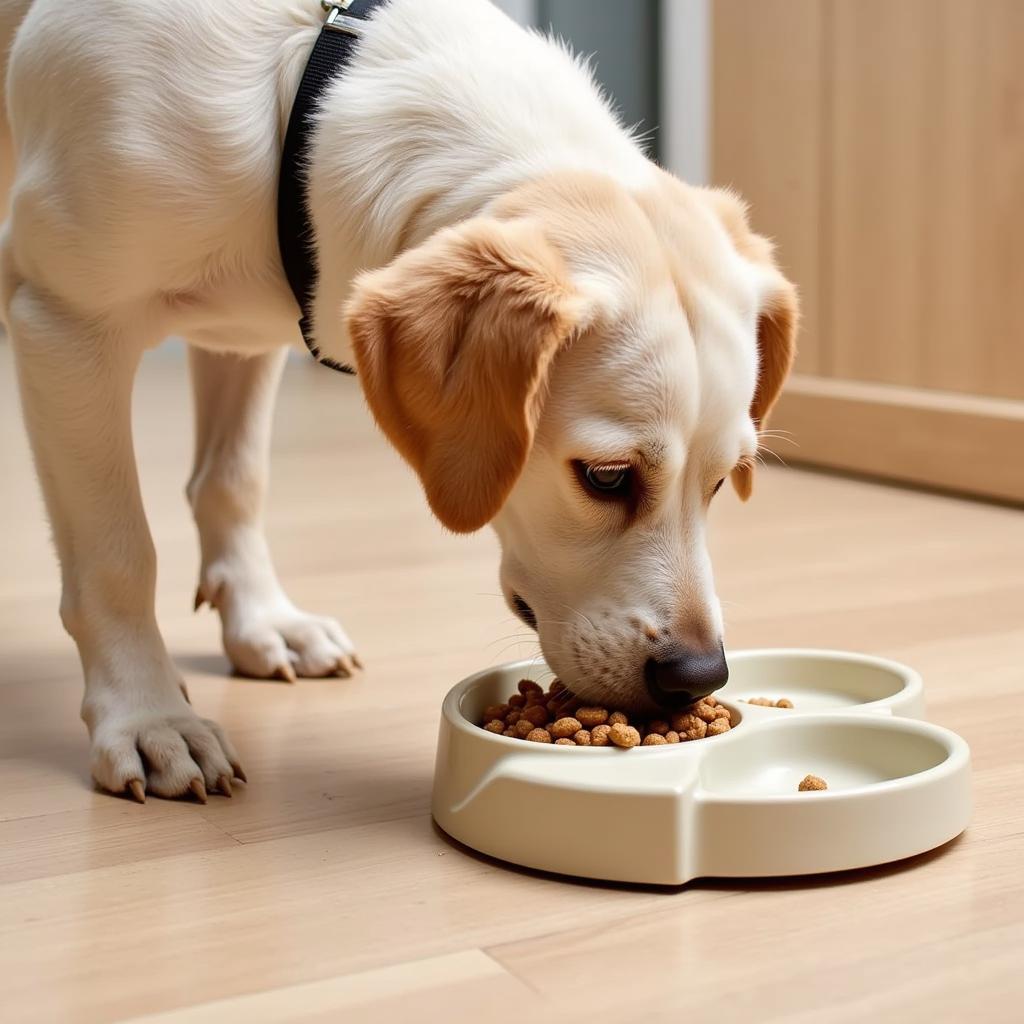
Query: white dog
{"points": [[562, 340]]}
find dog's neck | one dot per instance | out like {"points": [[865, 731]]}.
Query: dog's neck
{"points": [[446, 108]]}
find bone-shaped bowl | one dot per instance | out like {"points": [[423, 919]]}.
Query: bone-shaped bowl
{"points": [[724, 806]]}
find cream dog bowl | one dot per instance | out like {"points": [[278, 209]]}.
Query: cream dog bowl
{"points": [[725, 806]]}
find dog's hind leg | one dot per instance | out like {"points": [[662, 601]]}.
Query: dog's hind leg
{"points": [[264, 634], [76, 380]]}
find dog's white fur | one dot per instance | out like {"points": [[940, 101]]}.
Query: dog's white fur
{"points": [[144, 146]]}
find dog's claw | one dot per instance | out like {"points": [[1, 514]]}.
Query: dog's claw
{"points": [[224, 785], [239, 773], [198, 790], [200, 599], [344, 668], [137, 790], [285, 672], [355, 661]]}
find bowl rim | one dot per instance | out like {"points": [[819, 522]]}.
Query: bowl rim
{"points": [[913, 686]]}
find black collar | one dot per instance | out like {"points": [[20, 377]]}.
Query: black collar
{"points": [[332, 53]]}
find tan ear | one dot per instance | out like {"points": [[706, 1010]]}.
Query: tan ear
{"points": [[776, 349], [452, 342]]}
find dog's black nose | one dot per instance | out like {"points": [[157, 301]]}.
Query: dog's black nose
{"points": [[686, 676]]}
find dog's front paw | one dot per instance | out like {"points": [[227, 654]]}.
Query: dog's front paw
{"points": [[165, 749], [267, 637]]}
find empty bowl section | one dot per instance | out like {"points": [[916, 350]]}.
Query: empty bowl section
{"points": [[847, 753], [824, 680]]}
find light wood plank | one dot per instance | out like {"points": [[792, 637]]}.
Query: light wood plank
{"points": [[424, 989], [769, 99], [959, 442], [925, 281], [327, 867]]}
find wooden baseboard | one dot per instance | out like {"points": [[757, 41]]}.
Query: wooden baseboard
{"points": [[963, 443]]}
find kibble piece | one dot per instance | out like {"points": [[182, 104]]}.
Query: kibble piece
{"points": [[761, 702], [704, 711], [658, 726], [618, 718], [557, 686], [536, 713], [783, 703], [809, 783], [495, 711], [624, 735], [565, 728], [510, 732], [723, 712], [513, 716], [589, 717], [517, 700], [689, 726], [495, 725], [654, 739], [582, 738], [718, 726], [671, 736], [564, 741], [528, 686], [599, 735], [538, 736], [711, 699], [524, 727]]}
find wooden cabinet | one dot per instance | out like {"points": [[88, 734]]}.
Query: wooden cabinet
{"points": [[882, 145]]}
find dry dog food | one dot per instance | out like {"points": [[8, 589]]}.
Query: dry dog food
{"points": [[557, 716], [810, 783], [767, 702]]}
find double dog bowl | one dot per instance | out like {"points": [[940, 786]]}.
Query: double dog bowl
{"points": [[726, 806]]}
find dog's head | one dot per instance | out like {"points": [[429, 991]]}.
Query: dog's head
{"points": [[583, 367]]}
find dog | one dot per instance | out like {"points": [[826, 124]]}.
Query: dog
{"points": [[561, 339]]}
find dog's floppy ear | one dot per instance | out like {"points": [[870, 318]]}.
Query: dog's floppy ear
{"points": [[452, 342], [776, 349], [777, 322]]}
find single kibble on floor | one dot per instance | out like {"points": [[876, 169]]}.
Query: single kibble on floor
{"points": [[564, 728], [589, 717], [783, 703], [557, 716], [809, 783]]}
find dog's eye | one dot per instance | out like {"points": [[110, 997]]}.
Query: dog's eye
{"points": [[606, 481]]}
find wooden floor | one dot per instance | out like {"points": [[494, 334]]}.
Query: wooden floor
{"points": [[322, 891]]}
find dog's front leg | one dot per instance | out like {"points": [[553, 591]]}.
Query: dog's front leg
{"points": [[76, 379], [264, 634]]}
